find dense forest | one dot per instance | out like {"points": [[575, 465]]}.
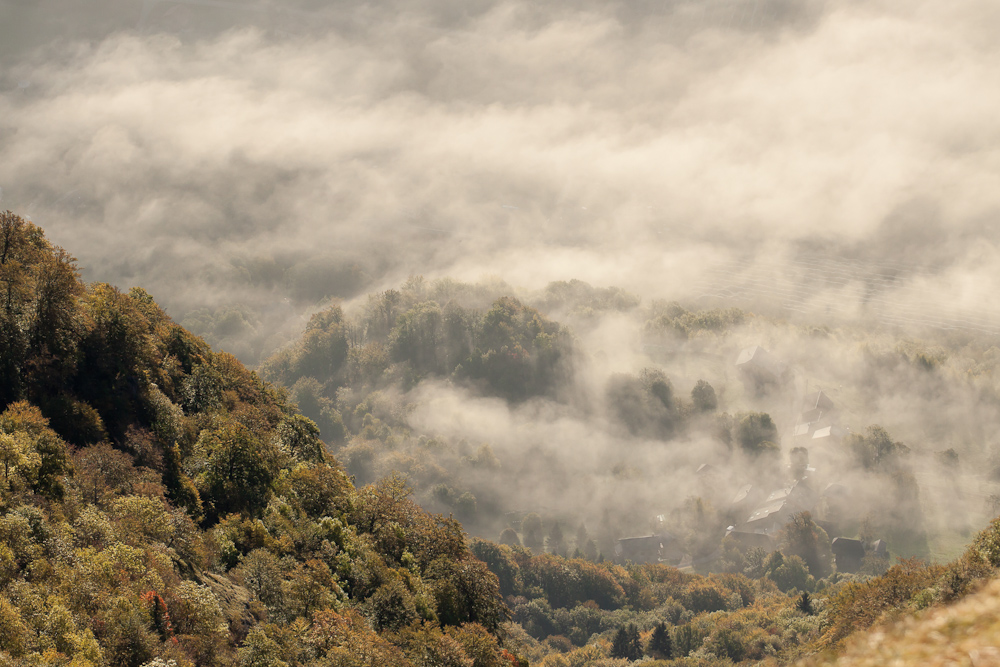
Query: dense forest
{"points": [[162, 504]]}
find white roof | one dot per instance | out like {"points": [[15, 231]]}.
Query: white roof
{"points": [[802, 429], [742, 494], [817, 400], [766, 511], [780, 494], [828, 432]]}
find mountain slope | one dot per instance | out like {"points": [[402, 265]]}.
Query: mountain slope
{"points": [[965, 633], [158, 502]]}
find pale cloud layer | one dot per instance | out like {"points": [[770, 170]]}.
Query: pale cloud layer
{"points": [[217, 156]]}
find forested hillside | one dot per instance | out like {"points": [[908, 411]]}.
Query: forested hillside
{"points": [[161, 503], [164, 505]]}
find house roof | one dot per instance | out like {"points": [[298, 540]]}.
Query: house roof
{"points": [[781, 493], [742, 494], [768, 510], [817, 401], [748, 540], [880, 548], [833, 488], [844, 546], [829, 432], [758, 357]]}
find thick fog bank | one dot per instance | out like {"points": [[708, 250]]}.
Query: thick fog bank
{"points": [[834, 157]]}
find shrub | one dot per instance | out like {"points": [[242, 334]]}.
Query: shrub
{"points": [[704, 596], [857, 605]]}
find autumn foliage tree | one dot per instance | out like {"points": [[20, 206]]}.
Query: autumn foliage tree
{"points": [[803, 538]]}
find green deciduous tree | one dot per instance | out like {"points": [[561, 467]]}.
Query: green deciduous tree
{"points": [[644, 405], [130, 640], [875, 449], [14, 633], [118, 355], [509, 537], [259, 650], [417, 338], [103, 471], [26, 423], [40, 319], [238, 472], [299, 436], [686, 640], [467, 592], [788, 573], [517, 352], [263, 575], [19, 460], [323, 347], [392, 606], [803, 538], [501, 561], [755, 433], [703, 397]]}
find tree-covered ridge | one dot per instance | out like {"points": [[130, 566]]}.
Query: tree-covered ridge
{"points": [[159, 502], [509, 349]]}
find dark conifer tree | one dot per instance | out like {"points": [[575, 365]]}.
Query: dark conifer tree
{"points": [[619, 646], [660, 645], [634, 643], [556, 542], [805, 604], [626, 643]]}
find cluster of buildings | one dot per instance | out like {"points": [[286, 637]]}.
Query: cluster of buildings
{"points": [[760, 511]]}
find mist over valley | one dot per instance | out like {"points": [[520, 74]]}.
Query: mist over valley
{"points": [[692, 300]]}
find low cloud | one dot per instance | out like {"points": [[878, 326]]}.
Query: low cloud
{"points": [[641, 146]]}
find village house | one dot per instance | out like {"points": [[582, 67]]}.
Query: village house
{"points": [[769, 517], [663, 548], [815, 407], [847, 553], [760, 370]]}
